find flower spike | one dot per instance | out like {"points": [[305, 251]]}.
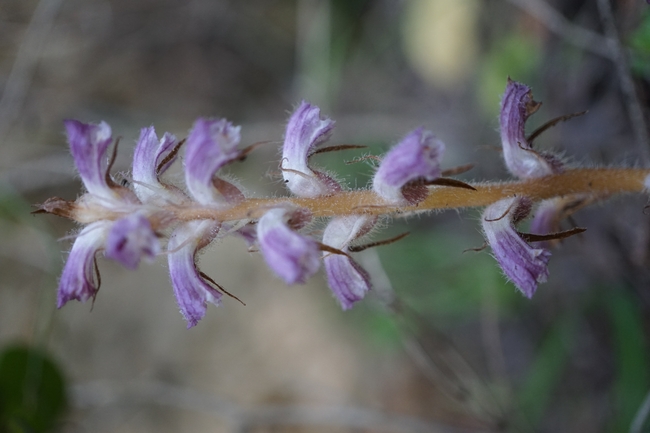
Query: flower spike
{"points": [[522, 264]]}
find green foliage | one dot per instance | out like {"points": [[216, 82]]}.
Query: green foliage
{"points": [[639, 44], [517, 55], [545, 374], [631, 356], [32, 391], [438, 280]]}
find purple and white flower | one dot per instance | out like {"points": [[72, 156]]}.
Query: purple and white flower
{"points": [[152, 157], [347, 279], [414, 159], [126, 240], [306, 131], [522, 264], [521, 159], [211, 145], [190, 287], [291, 255]]}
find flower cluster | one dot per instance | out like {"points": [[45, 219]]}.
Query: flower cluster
{"points": [[129, 223]]}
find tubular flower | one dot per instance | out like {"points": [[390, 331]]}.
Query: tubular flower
{"points": [[292, 256], [190, 287], [522, 264], [306, 131], [347, 279], [126, 240], [399, 178], [211, 144], [521, 159], [80, 279], [150, 160], [131, 238]]}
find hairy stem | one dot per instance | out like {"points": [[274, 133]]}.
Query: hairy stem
{"points": [[600, 182]]}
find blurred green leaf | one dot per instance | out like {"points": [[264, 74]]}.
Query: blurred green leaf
{"points": [[546, 372], [639, 43], [378, 328], [438, 280], [631, 356], [32, 391], [517, 55]]}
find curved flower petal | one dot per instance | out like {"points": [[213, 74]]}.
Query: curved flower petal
{"points": [[347, 279], [416, 157], [191, 290], [78, 278], [305, 131], [88, 144], [292, 256], [149, 154], [522, 161], [211, 144], [131, 238], [522, 264]]}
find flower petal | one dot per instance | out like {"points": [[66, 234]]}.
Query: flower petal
{"points": [[88, 144], [78, 278], [522, 264], [149, 154], [131, 238], [347, 279], [305, 131], [191, 290], [211, 144], [522, 161], [416, 157], [292, 256]]}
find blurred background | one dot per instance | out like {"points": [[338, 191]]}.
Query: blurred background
{"points": [[461, 351]]}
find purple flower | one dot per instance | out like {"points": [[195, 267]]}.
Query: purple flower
{"points": [[522, 264], [126, 240], [79, 279], [211, 145], [131, 238], [88, 145], [190, 287], [416, 158], [292, 256], [522, 161], [306, 130], [149, 154], [347, 279]]}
